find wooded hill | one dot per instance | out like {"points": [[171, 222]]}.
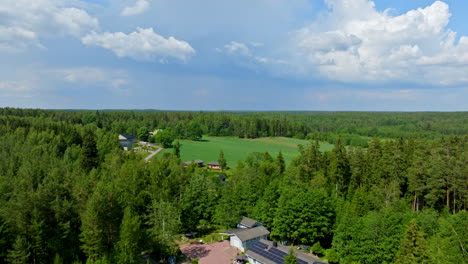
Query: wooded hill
{"points": [[69, 194]]}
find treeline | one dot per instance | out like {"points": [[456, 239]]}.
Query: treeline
{"points": [[355, 128], [69, 194]]}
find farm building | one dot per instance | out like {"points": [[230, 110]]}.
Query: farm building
{"points": [[214, 165], [243, 238], [270, 252], [126, 141], [248, 223], [198, 162]]}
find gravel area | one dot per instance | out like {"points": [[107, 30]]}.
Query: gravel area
{"points": [[215, 253]]}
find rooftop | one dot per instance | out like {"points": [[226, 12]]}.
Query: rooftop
{"points": [[269, 252], [127, 136], [248, 222], [245, 234]]}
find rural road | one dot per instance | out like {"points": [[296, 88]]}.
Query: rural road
{"points": [[153, 153]]}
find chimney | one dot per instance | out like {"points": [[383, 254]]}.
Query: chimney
{"points": [[275, 244]]}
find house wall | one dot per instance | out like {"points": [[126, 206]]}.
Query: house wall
{"points": [[236, 242], [126, 143], [254, 261]]}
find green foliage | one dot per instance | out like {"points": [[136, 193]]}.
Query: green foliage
{"points": [[303, 216], [129, 245], [413, 247], [194, 131], [19, 254], [177, 149], [142, 133], [290, 258], [69, 194], [317, 249], [222, 160], [165, 138], [89, 153]]}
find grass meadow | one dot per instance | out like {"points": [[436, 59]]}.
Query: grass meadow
{"points": [[237, 149]]}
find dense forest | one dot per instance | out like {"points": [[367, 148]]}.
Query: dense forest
{"points": [[393, 190]]}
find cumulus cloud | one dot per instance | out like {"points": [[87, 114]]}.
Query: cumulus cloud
{"points": [[355, 42], [139, 7], [142, 44], [24, 22]]}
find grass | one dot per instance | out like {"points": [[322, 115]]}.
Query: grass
{"points": [[237, 149]]}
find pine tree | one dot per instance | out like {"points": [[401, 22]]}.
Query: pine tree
{"points": [[281, 163], [20, 252], [290, 258], [177, 149], [89, 152], [128, 247], [222, 161], [413, 248]]}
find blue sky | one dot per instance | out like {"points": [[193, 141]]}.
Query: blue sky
{"points": [[383, 55]]}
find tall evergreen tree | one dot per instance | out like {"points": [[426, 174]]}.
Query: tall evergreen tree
{"points": [[413, 249], [281, 163], [177, 149], [89, 152], [129, 246], [222, 161]]}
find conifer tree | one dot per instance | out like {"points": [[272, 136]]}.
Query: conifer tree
{"points": [[177, 149], [128, 247], [222, 161], [89, 152], [413, 248], [281, 163]]}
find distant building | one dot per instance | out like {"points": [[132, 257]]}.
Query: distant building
{"points": [[246, 222], [198, 162], [156, 131], [243, 238], [221, 177], [126, 141], [214, 165], [270, 252]]}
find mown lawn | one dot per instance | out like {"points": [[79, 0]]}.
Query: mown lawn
{"points": [[237, 149]]}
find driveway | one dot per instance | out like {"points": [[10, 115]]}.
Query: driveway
{"points": [[215, 253]]}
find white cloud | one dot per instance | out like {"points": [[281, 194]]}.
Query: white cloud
{"points": [[139, 7], [355, 42], [115, 79], [143, 44], [237, 48], [24, 22], [10, 88]]}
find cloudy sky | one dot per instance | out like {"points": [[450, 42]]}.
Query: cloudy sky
{"points": [[382, 55]]}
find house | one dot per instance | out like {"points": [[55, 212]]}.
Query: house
{"points": [[248, 223], [244, 238], [270, 252], [126, 141], [198, 162], [214, 165]]}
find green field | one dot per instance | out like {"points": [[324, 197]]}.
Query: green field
{"points": [[237, 149]]}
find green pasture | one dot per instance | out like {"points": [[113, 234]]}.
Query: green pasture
{"points": [[237, 149]]}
